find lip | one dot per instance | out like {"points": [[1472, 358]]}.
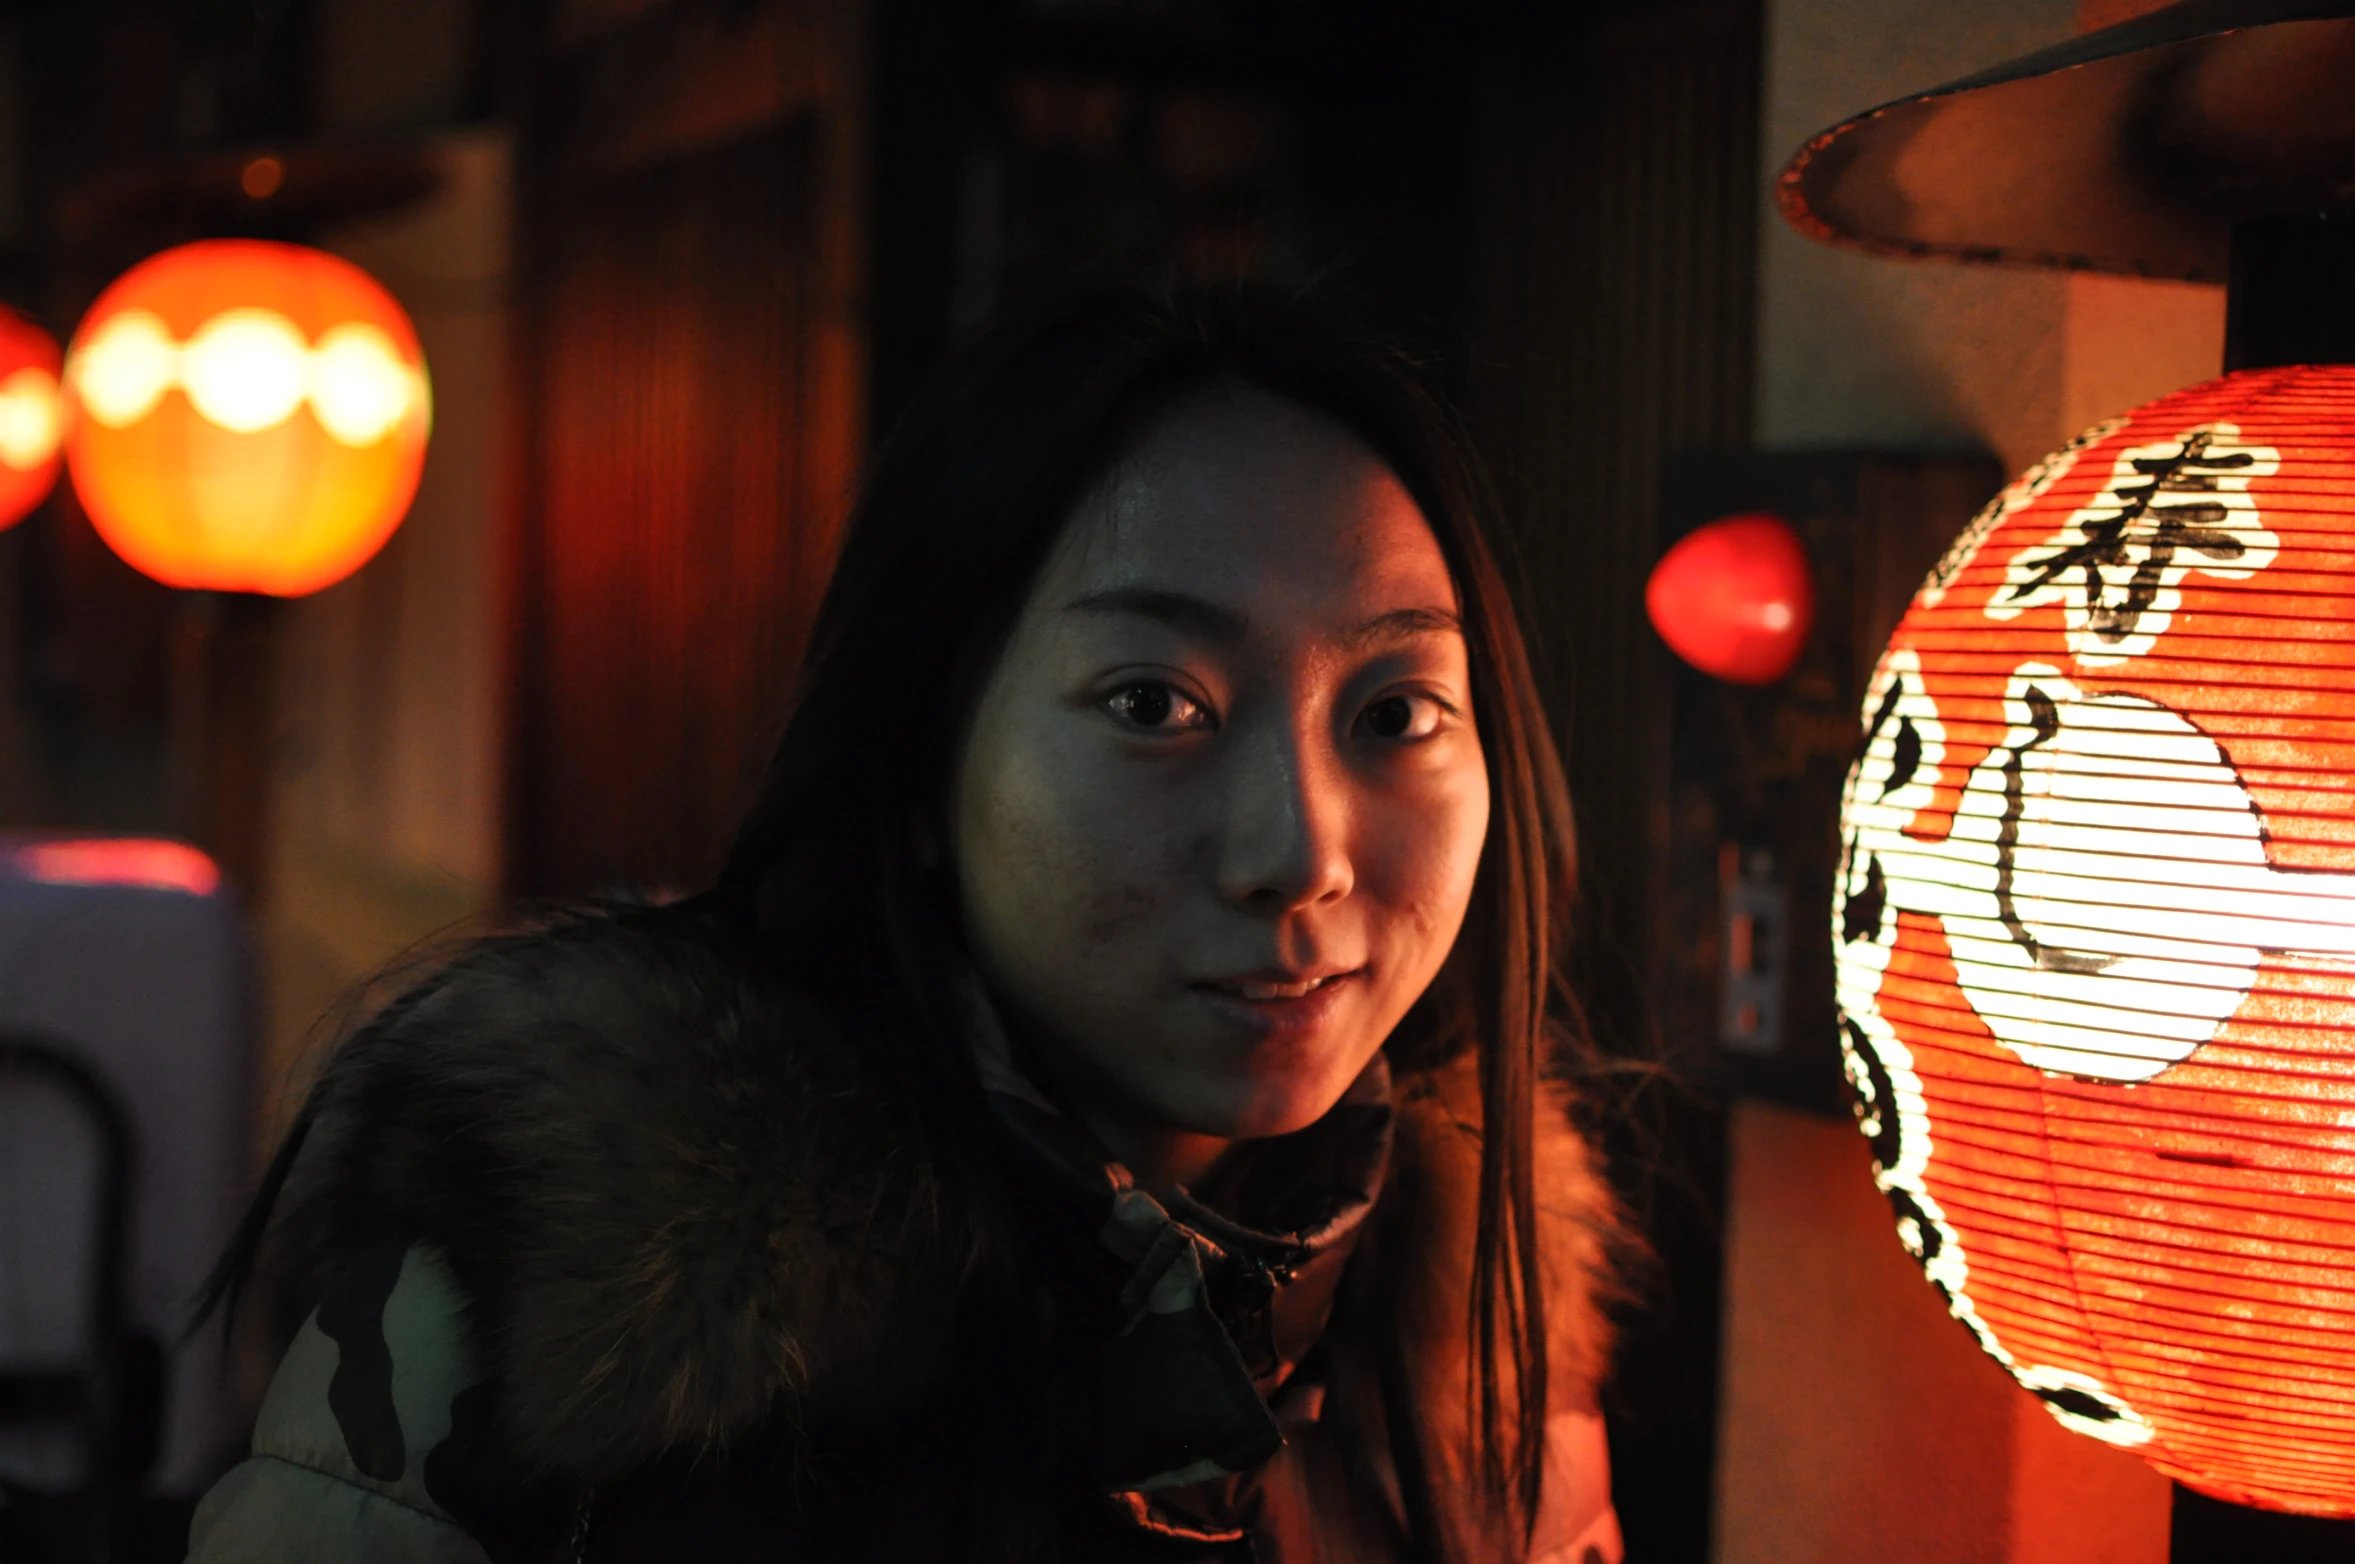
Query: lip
{"points": [[1274, 1000]]}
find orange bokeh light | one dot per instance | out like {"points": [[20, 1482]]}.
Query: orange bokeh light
{"points": [[2095, 927], [31, 416], [246, 416]]}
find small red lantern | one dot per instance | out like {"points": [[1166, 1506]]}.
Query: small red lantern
{"points": [[30, 416], [2096, 933], [1735, 598], [246, 416]]}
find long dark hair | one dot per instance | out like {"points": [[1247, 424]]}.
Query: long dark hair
{"points": [[960, 509]]}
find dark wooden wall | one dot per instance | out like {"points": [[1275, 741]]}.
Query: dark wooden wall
{"points": [[672, 549], [1608, 326], [689, 416], [1608, 323], [1019, 148]]}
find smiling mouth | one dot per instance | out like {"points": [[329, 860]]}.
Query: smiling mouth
{"points": [[1263, 990]]}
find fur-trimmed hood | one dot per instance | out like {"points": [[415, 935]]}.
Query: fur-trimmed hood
{"points": [[677, 1199]]}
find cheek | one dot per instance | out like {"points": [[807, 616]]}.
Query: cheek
{"points": [[1419, 866], [1060, 869]]}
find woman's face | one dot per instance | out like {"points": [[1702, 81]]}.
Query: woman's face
{"points": [[1219, 809]]}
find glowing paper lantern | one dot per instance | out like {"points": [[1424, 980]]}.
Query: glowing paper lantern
{"points": [[1735, 598], [247, 416], [30, 416], [2095, 928]]}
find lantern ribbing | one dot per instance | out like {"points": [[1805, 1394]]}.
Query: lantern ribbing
{"points": [[2096, 933]]}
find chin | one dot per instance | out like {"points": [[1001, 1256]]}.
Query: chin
{"points": [[1260, 1108]]}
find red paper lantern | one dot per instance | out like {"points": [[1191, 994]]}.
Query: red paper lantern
{"points": [[247, 416], [1735, 598], [30, 416], [2096, 933]]}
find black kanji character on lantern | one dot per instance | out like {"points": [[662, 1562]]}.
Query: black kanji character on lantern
{"points": [[2157, 530]]}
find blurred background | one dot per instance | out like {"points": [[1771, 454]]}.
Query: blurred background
{"points": [[671, 263]]}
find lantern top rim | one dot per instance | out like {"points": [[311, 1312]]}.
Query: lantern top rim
{"points": [[2133, 150]]}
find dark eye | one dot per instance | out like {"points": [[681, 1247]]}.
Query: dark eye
{"points": [[1156, 707], [1401, 717]]}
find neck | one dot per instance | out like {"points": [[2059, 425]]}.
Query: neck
{"points": [[1159, 1158]]}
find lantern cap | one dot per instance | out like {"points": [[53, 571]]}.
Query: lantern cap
{"points": [[2135, 149]]}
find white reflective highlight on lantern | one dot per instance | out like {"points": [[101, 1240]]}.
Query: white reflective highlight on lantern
{"points": [[359, 387], [247, 370], [31, 419], [125, 368]]}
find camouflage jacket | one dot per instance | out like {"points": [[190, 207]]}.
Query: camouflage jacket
{"points": [[619, 1255]]}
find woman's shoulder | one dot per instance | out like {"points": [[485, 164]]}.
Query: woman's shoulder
{"points": [[672, 1192], [626, 972]]}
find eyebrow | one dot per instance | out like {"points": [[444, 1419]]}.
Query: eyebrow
{"points": [[1402, 624], [1196, 616], [1179, 610]]}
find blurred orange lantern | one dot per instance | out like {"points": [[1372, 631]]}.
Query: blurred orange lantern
{"points": [[246, 416], [29, 416], [2095, 928]]}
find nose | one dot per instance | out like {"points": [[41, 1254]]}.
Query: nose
{"points": [[1284, 841]]}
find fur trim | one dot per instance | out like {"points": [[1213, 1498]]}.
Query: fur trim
{"points": [[1424, 1251], [680, 1204], [674, 1197], [1580, 1232]]}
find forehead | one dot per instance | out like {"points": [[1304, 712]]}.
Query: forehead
{"points": [[1242, 497]]}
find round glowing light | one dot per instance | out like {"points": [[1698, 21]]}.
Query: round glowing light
{"points": [[31, 416], [360, 389], [121, 370], [296, 440], [2095, 925], [246, 369], [1735, 598], [261, 178], [30, 419]]}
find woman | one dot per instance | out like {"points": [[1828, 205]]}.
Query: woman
{"points": [[1101, 1111]]}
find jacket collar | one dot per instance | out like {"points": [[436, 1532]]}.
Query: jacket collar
{"points": [[1214, 1296]]}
